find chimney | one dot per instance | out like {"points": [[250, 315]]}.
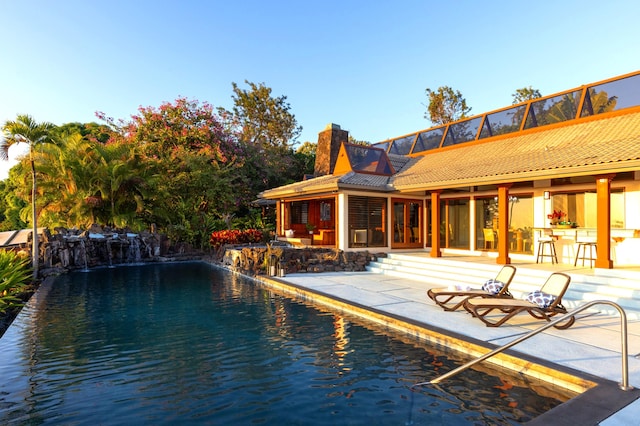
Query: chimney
{"points": [[329, 141]]}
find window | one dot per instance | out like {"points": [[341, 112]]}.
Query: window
{"points": [[463, 131], [403, 145], [454, 228], [299, 212], [612, 96], [553, 110], [367, 221], [429, 140], [364, 159], [520, 224], [502, 122]]}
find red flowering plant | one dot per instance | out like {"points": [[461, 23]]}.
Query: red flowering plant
{"points": [[235, 236], [557, 217]]}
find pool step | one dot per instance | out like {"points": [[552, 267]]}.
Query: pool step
{"points": [[617, 285]]}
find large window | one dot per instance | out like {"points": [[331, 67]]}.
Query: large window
{"points": [[520, 224], [367, 221], [429, 140], [463, 131], [612, 96], [487, 223], [454, 228], [553, 110], [407, 223], [403, 145]]}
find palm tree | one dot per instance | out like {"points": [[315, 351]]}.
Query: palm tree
{"points": [[26, 129]]}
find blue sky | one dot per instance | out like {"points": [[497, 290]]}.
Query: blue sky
{"points": [[364, 65]]}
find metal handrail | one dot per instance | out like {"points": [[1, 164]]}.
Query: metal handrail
{"points": [[623, 335]]}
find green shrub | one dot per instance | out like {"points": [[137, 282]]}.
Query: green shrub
{"points": [[15, 276]]}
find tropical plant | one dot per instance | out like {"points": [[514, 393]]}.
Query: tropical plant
{"points": [[11, 204], [26, 129], [124, 182], [15, 276]]}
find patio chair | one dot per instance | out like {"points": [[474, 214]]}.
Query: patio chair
{"points": [[442, 296], [489, 238], [540, 304]]}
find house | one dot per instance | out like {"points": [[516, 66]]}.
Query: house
{"points": [[564, 168]]}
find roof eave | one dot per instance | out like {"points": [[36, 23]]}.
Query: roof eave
{"points": [[286, 192]]}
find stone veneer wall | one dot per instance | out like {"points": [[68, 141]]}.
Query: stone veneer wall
{"points": [[329, 141], [256, 260]]}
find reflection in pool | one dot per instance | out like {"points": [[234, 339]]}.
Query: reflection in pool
{"points": [[193, 344]]}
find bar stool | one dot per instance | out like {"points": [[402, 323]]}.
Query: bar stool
{"points": [[547, 240], [585, 241]]}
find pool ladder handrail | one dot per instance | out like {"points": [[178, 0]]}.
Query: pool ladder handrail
{"points": [[623, 335]]}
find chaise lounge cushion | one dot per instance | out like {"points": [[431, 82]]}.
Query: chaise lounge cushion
{"points": [[493, 286], [543, 300]]}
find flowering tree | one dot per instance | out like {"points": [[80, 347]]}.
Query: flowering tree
{"points": [[185, 124], [197, 159]]}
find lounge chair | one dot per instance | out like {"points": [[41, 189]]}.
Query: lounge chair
{"points": [[442, 296], [541, 304]]}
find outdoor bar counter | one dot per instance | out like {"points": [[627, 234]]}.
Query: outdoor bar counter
{"points": [[625, 243]]}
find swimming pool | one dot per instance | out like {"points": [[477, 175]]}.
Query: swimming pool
{"points": [[193, 344]]}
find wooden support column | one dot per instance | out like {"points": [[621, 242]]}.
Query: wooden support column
{"points": [[435, 224], [279, 225], [503, 225], [603, 240]]}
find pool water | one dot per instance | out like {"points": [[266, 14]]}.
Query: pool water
{"points": [[193, 344]]}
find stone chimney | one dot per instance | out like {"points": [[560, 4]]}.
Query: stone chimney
{"points": [[329, 141]]}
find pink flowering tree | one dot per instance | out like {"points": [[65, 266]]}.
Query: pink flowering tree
{"points": [[196, 160]]}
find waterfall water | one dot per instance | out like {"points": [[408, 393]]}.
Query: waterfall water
{"points": [[83, 246], [109, 253], [134, 255]]}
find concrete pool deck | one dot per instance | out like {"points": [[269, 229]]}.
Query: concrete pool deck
{"points": [[591, 346]]}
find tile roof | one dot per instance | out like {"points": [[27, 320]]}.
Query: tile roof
{"points": [[400, 162], [326, 183]]}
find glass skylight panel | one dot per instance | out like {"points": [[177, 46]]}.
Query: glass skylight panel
{"points": [[612, 96], [502, 122], [553, 110], [365, 159], [381, 145], [402, 146], [429, 140], [463, 131]]}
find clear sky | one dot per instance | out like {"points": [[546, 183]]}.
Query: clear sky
{"points": [[364, 65]]}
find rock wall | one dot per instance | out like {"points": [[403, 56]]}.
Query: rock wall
{"points": [[76, 249], [259, 260]]}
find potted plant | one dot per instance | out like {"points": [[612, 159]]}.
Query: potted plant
{"points": [[556, 217], [310, 227]]}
